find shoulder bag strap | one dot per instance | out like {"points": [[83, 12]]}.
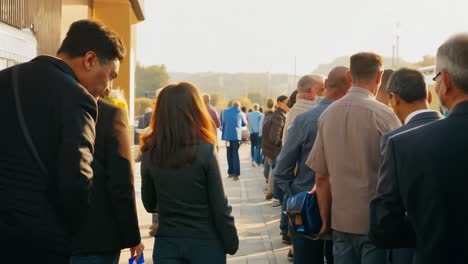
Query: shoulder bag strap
{"points": [[22, 123]]}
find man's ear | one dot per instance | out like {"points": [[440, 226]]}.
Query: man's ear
{"points": [[90, 58], [429, 97], [395, 100], [448, 83], [378, 77]]}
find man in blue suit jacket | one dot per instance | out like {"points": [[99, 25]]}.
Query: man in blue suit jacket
{"points": [[232, 122], [410, 100], [426, 205]]}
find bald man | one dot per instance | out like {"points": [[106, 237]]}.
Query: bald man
{"points": [[296, 149], [310, 90]]}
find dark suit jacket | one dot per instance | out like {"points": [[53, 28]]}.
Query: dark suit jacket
{"points": [[417, 121], [112, 222], [429, 166], [191, 200], [42, 211]]}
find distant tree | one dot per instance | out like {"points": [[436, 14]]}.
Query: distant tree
{"points": [[141, 104], [218, 102], [244, 101], [257, 98], [427, 60], [150, 78], [215, 98]]}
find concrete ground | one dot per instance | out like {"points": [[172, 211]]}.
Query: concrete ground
{"points": [[257, 222]]}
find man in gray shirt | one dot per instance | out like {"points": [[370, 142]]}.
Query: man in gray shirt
{"points": [[346, 156], [296, 149]]}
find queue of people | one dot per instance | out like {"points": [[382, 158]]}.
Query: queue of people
{"points": [[388, 172]]}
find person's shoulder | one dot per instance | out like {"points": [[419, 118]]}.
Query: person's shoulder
{"points": [[105, 105], [380, 109], [109, 108], [304, 116], [420, 135], [205, 149]]}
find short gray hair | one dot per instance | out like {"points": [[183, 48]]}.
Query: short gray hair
{"points": [[236, 104], [256, 106], [452, 56], [316, 79]]}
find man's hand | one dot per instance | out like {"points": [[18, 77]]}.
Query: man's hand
{"points": [[325, 226], [313, 190], [324, 199], [137, 250]]}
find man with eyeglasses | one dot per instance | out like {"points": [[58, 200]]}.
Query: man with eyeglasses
{"points": [[427, 208], [410, 99]]}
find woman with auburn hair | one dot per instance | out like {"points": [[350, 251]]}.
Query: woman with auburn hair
{"points": [[181, 179]]}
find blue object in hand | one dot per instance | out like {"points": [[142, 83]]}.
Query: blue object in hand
{"points": [[140, 261]]}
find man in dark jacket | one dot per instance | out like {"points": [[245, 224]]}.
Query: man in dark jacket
{"points": [[426, 206], [272, 133], [41, 209], [410, 102], [112, 222]]}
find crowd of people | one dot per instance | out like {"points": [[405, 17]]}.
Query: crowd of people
{"points": [[388, 172]]}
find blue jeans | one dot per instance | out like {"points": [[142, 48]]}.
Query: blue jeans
{"points": [[255, 145], [97, 259], [185, 251], [311, 251], [233, 158], [356, 249]]}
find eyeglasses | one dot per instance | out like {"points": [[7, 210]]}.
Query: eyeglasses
{"points": [[437, 76]]}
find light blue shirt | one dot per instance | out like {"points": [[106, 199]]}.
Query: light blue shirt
{"points": [[255, 119], [295, 151]]}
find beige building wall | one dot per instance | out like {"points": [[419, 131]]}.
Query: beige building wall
{"points": [[73, 10]]}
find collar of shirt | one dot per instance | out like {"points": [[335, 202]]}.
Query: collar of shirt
{"points": [[361, 91], [59, 64], [302, 103], [415, 113]]}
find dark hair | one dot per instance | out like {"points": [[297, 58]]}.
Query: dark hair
{"points": [[365, 65], [244, 109], [292, 99], [180, 122], [281, 98], [88, 35], [409, 84]]}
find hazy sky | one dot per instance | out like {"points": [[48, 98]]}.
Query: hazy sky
{"points": [[266, 35]]}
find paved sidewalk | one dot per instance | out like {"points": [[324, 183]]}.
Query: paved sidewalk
{"points": [[257, 222]]}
